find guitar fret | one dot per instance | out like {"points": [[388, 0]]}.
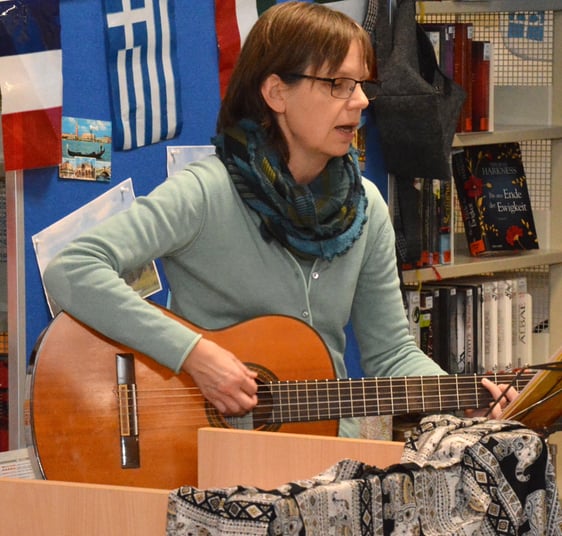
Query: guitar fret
{"points": [[406, 396], [439, 391], [422, 394], [340, 412], [391, 395], [327, 385], [364, 396], [457, 390]]}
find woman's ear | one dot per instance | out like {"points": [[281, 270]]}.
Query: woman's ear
{"points": [[273, 91]]}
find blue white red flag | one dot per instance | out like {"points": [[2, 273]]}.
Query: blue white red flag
{"points": [[143, 73], [235, 18], [31, 83]]}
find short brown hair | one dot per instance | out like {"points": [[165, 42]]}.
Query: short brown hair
{"points": [[287, 38]]}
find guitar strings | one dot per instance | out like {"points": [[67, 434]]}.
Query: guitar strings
{"points": [[189, 400]]}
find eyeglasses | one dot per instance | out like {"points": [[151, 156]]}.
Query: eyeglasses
{"points": [[343, 88]]}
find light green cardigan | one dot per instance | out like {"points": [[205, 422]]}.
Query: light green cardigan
{"points": [[222, 271]]}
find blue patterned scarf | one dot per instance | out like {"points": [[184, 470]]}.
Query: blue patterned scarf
{"points": [[318, 220]]}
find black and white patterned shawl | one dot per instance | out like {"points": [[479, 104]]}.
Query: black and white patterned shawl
{"points": [[457, 477]]}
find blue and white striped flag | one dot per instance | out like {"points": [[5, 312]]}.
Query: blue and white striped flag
{"points": [[143, 73]]}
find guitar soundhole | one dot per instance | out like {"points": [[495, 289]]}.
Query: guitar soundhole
{"points": [[260, 417]]}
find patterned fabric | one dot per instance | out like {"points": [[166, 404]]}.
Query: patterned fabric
{"points": [[321, 219], [458, 477]]}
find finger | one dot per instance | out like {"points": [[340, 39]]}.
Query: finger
{"points": [[237, 405]]}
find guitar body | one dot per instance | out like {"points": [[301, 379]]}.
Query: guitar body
{"points": [[75, 414]]}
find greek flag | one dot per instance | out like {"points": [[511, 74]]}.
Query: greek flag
{"points": [[143, 73]]}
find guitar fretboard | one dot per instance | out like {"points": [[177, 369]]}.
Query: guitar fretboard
{"points": [[318, 400]]}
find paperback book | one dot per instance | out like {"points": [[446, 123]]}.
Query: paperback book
{"points": [[494, 199]]}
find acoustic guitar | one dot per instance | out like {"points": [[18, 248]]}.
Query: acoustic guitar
{"points": [[99, 412]]}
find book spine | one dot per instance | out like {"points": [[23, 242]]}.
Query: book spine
{"points": [[462, 71], [448, 50], [490, 321], [445, 209], [469, 332], [478, 337], [523, 335], [436, 330], [413, 312], [426, 222], [459, 362], [481, 58], [505, 307], [426, 327], [469, 210]]}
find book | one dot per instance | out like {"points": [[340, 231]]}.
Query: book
{"points": [[436, 326], [426, 327], [490, 323], [442, 37], [522, 324], [505, 329], [473, 332], [413, 313], [459, 365], [446, 334], [445, 210], [482, 86], [494, 199], [407, 220], [462, 71]]}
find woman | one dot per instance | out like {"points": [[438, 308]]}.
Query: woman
{"points": [[278, 222]]}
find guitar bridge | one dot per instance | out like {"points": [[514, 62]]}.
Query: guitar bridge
{"points": [[128, 415]]}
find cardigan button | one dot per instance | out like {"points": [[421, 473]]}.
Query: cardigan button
{"points": [[315, 275], [305, 314]]}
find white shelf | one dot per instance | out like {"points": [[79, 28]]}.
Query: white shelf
{"points": [[509, 133], [465, 265], [458, 6]]}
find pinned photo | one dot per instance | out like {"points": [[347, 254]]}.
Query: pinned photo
{"points": [[86, 149]]}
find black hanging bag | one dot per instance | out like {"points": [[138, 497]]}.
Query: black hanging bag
{"points": [[418, 109]]}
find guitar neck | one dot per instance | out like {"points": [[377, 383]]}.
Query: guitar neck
{"points": [[317, 400]]}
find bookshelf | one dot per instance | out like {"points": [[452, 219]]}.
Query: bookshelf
{"points": [[520, 83], [527, 109]]}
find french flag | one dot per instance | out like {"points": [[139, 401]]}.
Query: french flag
{"points": [[31, 83]]}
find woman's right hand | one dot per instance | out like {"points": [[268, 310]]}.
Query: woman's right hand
{"points": [[223, 379]]}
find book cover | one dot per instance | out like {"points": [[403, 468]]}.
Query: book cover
{"points": [[482, 92], [494, 199]]}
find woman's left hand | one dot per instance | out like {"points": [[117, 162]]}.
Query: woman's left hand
{"points": [[496, 391]]}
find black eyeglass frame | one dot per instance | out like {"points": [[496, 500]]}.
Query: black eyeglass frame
{"points": [[375, 84]]}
